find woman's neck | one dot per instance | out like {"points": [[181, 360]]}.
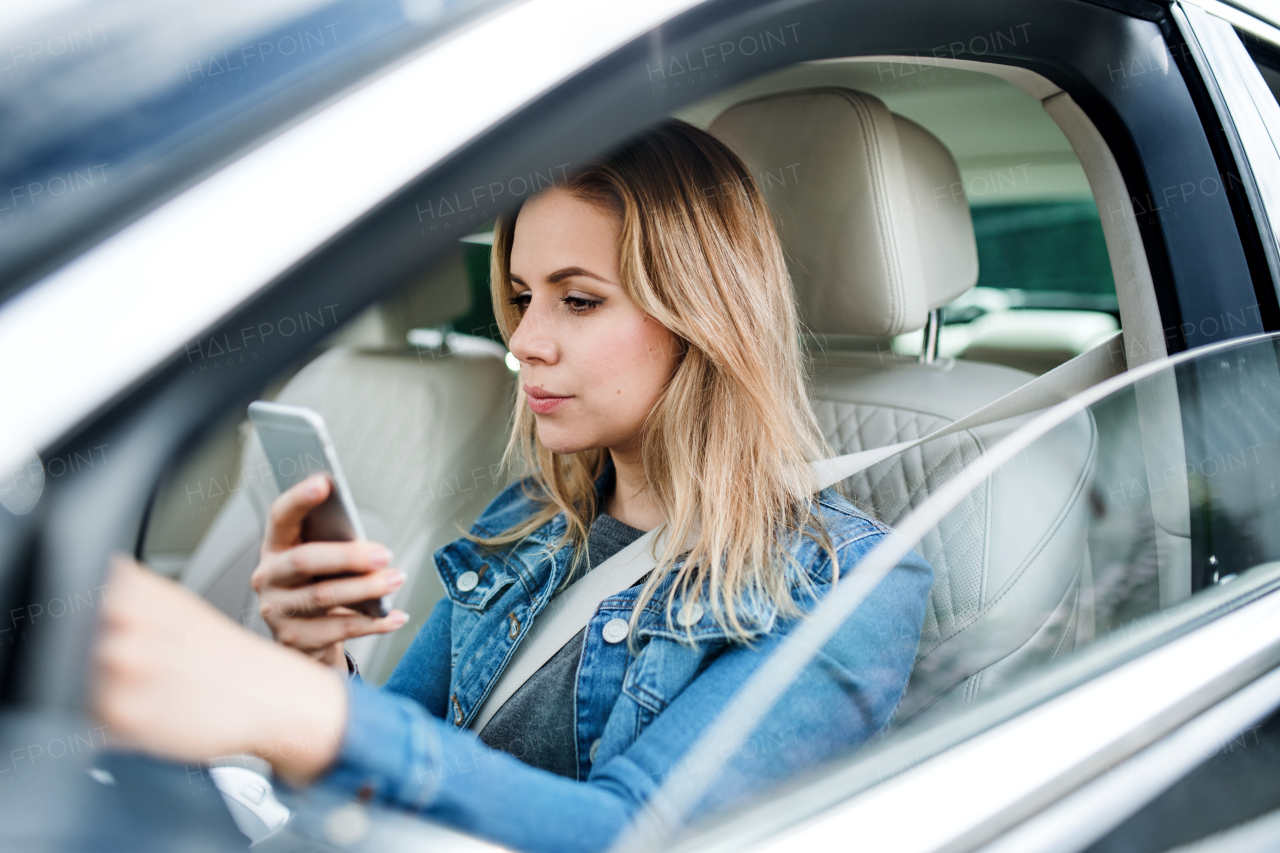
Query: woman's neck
{"points": [[631, 502]]}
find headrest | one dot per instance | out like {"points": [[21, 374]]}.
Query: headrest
{"points": [[441, 294], [869, 205]]}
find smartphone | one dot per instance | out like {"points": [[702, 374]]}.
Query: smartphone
{"points": [[297, 445]]}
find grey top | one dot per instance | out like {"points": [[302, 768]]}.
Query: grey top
{"points": [[538, 723]]}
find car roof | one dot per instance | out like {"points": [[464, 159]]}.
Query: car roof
{"points": [[136, 297], [109, 109]]}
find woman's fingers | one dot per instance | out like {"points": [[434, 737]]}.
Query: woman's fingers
{"points": [[358, 625], [304, 593], [308, 635], [319, 598], [284, 522], [305, 563]]}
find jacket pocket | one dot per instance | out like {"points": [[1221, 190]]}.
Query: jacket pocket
{"points": [[472, 580], [661, 671], [695, 621]]}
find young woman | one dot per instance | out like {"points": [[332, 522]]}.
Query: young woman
{"points": [[662, 384]]}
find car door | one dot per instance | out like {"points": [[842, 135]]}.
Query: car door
{"points": [[374, 176]]}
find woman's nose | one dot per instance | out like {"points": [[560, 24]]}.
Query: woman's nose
{"points": [[533, 340]]}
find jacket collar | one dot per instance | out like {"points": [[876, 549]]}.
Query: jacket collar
{"points": [[540, 568], [549, 534], [537, 561]]}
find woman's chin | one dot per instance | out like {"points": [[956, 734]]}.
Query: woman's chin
{"points": [[557, 442]]}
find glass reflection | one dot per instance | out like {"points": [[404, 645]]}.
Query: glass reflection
{"points": [[1122, 518]]}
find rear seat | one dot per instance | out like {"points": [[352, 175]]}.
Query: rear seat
{"points": [[420, 434]]}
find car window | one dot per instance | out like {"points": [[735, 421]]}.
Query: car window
{"points": [[1266, 56], [479, 321], [1113, 524], [1045, 290], [1044, 295], [1225, 796], [106, 108], [1147, 537], [1043, 266], [416, 394], [1052, 251], [1043, 269]]}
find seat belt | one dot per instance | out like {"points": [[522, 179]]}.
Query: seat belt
{"points": [[571, 610]]}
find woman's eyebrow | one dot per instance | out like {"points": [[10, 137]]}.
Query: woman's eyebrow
{"points": [[569, 272]]}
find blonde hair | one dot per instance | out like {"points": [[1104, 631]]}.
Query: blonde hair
{"points": [[726, 448]]}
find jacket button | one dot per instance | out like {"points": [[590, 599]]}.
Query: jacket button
{"points": [[689, 615], [468, 581], [595, 747], [615, 630]]}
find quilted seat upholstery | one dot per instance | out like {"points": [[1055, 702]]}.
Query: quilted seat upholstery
{"points": [[1011, 576]]}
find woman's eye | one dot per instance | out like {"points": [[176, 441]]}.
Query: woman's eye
{"points": [[579, 304], [520, 300]]}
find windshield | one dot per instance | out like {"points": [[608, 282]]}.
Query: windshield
{"points": [[107, 108], [1093, 531]]}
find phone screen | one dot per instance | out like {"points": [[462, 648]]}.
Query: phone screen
{"points": [[295, 454]]}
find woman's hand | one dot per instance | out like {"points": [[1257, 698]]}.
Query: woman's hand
{"points": [[309, 614], [175, 678]]}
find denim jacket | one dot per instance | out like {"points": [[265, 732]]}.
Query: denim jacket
{"points": [[640, 704]]}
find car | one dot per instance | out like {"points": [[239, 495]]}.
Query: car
{"points": [[294, 200]]}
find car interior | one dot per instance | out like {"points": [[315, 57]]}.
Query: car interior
{"points": [[949, 200], [953, 229]]}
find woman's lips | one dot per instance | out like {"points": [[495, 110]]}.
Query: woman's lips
{"points": [[543, 402], [545, 405]]}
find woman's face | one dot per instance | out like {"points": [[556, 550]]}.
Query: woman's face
{"points": [[592, 364]]}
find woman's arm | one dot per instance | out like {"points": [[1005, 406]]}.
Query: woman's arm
{"points": [[423, 671], [399, 755], [179, 680]]}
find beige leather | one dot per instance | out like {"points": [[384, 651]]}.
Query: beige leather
{"points": [[436, 297], [433, 299], [420, 434], [1008, 560], [877, 232], [1144, 336], [190, 497], [869, 205], [419, 442], [944, 228], [193, 494]]}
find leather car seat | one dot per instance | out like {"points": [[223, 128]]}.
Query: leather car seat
{"points": [[419, 432], [872, 215]]}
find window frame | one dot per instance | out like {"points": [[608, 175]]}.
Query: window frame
{"points": [[1250, 122], [1051, 740], [149, 413]]}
